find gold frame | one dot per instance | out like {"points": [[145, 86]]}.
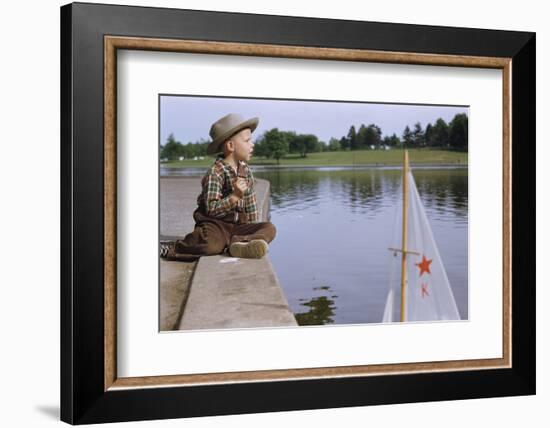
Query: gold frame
{"points": [[113, 43]]}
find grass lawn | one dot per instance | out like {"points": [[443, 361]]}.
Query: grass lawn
{"points": [[348, 158]]}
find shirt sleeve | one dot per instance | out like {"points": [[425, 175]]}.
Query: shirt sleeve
{"points": [[216, 204], [249, 200]]}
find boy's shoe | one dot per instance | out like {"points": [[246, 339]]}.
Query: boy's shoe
{"points": [[168, 253], [255, 249], [167, 249]]}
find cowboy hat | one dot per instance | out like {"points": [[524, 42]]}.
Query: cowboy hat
{"points": [[226, 127]]}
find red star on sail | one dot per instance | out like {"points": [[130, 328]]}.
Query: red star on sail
{"points": [[424, 265]]}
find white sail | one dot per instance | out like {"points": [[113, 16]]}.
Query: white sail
{"points": [[428, 292]]}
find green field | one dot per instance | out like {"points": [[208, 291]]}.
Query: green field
{"points": [[349, 158]]}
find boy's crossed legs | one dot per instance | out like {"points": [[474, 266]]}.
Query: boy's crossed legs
{"points": [[212, 236]]}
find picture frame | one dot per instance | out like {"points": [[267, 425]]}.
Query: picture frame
{"points": [[91, 391]]}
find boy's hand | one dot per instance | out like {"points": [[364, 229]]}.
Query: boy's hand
{"points": [[239, 187]]}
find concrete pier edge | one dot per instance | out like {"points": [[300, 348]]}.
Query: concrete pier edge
{"points": [[224, 292]]}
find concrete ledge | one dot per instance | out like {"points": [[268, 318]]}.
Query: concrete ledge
{"points": [[174, 289], [224, 292], [227, 292]]}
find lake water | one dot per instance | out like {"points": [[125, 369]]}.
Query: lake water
{"points": [[333, 230], [334, 226]]}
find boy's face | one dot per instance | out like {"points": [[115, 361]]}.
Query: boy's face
{"points": [[241, 145]]}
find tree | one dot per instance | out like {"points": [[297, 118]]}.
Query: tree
{"points": [[344, 143], [458, 132], [260, 148], [373, 136], [201, 147], [429, 135], [361, 138], [418, 135], [312, 144], [394, 140], [172, 149], [190, 150], [275, 145], [352, 138], [407, 137], [295, 143], [441, 133], [334, 145]]}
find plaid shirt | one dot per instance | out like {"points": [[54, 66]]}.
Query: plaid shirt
{"points": [[217, 187]]}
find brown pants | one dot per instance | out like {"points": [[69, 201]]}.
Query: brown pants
{"points": [[211, 236]]}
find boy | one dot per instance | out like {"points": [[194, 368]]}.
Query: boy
{"points": [[227, 214]]}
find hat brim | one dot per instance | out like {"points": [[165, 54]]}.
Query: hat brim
{"points": [[215, 146]]}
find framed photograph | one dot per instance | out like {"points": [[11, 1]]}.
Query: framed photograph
{"points": [[266, 213]]}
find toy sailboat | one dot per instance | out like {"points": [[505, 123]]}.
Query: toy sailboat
{"points": [[422, 291]]}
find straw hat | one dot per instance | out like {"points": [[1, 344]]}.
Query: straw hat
{"points": [[226, 127]]}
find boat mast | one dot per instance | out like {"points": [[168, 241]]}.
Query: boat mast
{"points": [[404, 235]]}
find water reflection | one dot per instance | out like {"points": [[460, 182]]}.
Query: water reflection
{"points": [[321, 308], [446, 191], [364, 191], [287, 188]]}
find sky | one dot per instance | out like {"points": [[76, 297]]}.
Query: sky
{"points": [[189, 118]]}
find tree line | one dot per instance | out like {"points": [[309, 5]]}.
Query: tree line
{"points": [[452, 135], [276, 144], [174, 150]]}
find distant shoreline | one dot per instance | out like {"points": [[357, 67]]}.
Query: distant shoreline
{"points": [[365, 166], [363, 158], [197, 171]]}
